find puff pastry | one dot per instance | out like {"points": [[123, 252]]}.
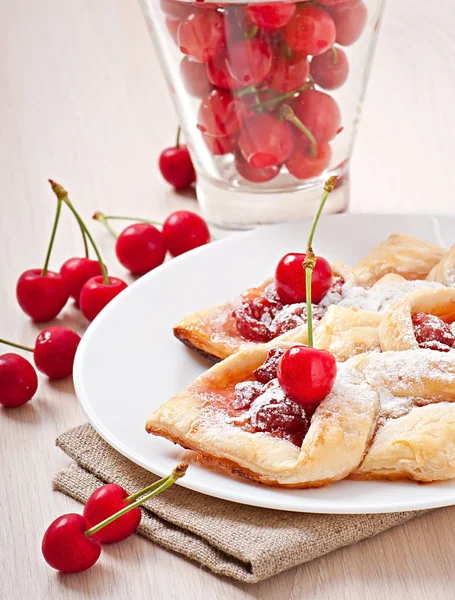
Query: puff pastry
{"points": [[389, 415]]}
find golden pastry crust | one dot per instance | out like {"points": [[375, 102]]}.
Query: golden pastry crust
{"points": [[444, 271], [405, 255], [396, 331], [372, 424]]}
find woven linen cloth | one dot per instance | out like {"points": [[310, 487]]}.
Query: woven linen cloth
{"points": [[247, 543]]}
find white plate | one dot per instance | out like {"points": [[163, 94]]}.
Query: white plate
{"points": [[129, 362]]}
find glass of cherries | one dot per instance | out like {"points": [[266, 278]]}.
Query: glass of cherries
{"points": [[269, 96]]}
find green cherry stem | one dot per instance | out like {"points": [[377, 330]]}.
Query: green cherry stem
{"points": [[177, 473], [251, 33], [177, 139], [51, 242], [251, 89], [98, 216], [288, 114], [62, 195], [84, 239], [14, 345], [146, 490], [280, 97], [310, 261]]}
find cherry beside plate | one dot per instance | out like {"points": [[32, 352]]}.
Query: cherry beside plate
{"points": [[129, 363]]}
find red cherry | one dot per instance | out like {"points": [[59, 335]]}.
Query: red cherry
{"points": [[265, 141], [41, 297], [176, 10], [184, 230], [65, 546], [18, 380], [251, 174], [55, 349], [140, 248], [290, 279], [331, 69], [76, 271], [236, 22], [303, 165], [173, 27], [432, 332], [307, 375], [271, 15], [201, 35], [218, 73], [218, 114], [96, 294], [194, 77], [350, 19], [333, 2], [220, 145], [288, 74], [249, 61], [311, 30], [320, 113], [176, 167], [105, 502]]}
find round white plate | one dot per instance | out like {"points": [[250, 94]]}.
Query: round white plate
{"points": [[129, 363]]}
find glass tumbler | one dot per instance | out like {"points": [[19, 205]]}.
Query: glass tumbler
{"points": [[269, 96]]}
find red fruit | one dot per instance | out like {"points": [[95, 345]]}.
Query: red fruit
{"points": [[65, 546], [41, 297], [105, 502], [271, 16], [265, 141], [320, 113], [176, 167], [76, 271], [288, 74], [18, 380], [330, 70], [55, 349], [184, 230], [96, 294], [249, 61], [311, 30], [173, 27], [432, 332], [267, 371], [201, 35], [290, 279], [220, 145], [251, 174], [218, 114], [175, 9], [194, 77], [307, 375], [333, 2], [218, 73], [303, 165], [140, 248], [350, 20]]}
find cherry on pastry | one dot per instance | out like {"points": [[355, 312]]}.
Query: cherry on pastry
{"points": [[331, 69], [98, 291], [432, 332], [194, 77], [183, 231], [311, 30], [42, 293], [70, 543], [306, 374], [305, 163], [350, 19], [218, 114], [176, 166], [290, 279], [265, 141], [18, 380], [271, 16], [201, 35], [76, 271]]}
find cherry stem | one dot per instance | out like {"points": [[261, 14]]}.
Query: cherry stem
{"points": [[251, 33], [14, 345], [328, 188], [51, 242], [146, 490], [177, 473], [62, 195], [288, 114], [98, 216], [334, 58], [281, 97], [177, 139], [84, 238], [251, 89], [122, 218]]}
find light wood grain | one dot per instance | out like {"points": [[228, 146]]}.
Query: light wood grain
{"points": [[83, 101]]}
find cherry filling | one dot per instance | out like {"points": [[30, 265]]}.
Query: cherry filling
{"points": [[269, 409], [432, 333], [264, 318]]}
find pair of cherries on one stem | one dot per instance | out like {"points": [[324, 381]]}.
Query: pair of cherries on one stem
{"points": [[142, 247], [72, 543], [305, 373]]}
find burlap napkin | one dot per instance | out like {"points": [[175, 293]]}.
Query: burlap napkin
{"points": [[243, 542]]}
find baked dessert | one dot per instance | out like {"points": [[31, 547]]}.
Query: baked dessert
{"points": [[389, 415], [260, 315]]}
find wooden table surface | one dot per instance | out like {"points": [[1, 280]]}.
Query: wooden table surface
{"points": [[82, 100]]}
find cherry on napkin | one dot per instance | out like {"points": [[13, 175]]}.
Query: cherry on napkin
{"points": [[243, 542]]}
